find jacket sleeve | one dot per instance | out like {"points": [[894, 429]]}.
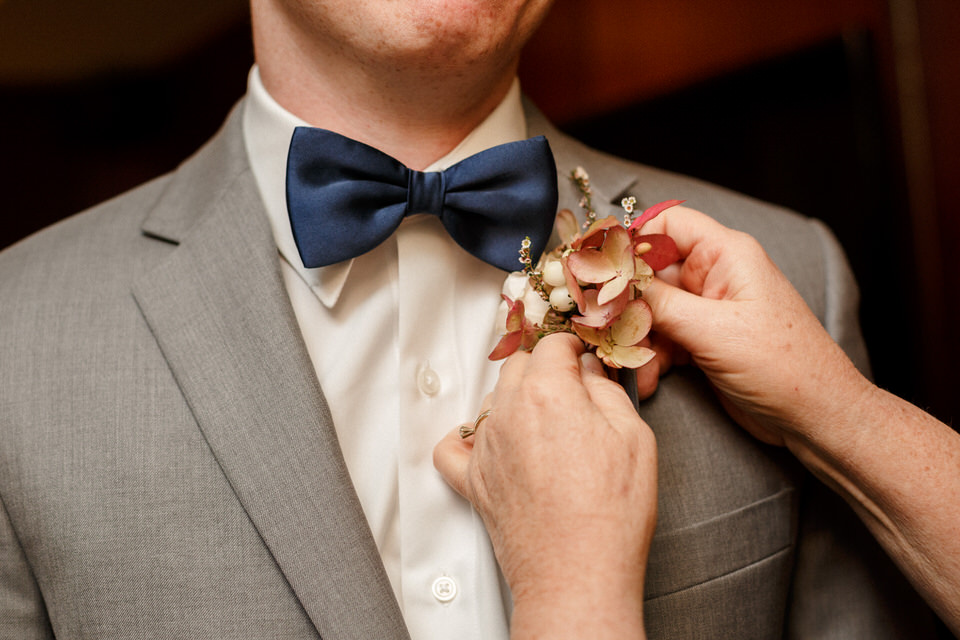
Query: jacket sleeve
{"points": [[23, 615]]}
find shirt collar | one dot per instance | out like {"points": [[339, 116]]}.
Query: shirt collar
{"points": [[267, 130]]}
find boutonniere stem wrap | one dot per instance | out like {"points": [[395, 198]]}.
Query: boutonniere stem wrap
{"points": [[591, 285]]}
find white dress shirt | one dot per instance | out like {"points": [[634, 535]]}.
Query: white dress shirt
{"points": [[399, 339]]}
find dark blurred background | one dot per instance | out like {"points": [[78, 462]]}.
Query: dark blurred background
{"points": [[841, 109], [846, 110]]}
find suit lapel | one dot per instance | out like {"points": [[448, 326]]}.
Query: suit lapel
{"points": [[220, 314], [610, 178]]}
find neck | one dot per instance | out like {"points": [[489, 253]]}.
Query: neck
{"points": [[414, 113]]}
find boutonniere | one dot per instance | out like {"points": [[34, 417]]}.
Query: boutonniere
{"points": [[591, 285]]}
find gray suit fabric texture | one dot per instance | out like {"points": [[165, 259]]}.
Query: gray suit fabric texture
{"points": [[169, 468]]}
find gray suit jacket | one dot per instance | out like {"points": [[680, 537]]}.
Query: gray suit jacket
{"points": [[168, 466]]}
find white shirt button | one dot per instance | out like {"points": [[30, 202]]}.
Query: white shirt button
{"points": [[444, 589], [428, 381]]}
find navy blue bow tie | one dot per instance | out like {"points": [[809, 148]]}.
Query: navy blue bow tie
{"points": [[345, 198]]}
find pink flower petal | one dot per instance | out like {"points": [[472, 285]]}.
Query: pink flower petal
{"points": [[515, 314], [590, 335], [633, 325], [604, 353], [616, 242], [593, 236], [572, 285], [507, 346], [630, 357], [619, 249], [642, 277], [612, 259], [591, 265], [615, 287], [530, 336], [597, 315]]}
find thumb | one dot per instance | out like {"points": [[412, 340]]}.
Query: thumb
{"points": [[678, 314]]}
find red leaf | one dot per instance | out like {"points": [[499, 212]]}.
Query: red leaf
{"points": [[507, 345], [663, 250], [652, 213]]}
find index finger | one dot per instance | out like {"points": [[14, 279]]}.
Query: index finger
{"points": [[688, 227]]}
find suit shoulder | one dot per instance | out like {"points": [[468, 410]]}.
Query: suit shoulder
{"points": [[98, 246], [802, 247], [731, 208]]}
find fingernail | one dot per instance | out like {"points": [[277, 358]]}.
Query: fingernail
{"points": [[591, 363]]}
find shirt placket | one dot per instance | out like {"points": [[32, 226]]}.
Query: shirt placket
{"points": [[439, 535]]}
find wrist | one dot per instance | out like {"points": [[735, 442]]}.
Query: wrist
{"points": [[829, 438], [598, 605], [591, 589], [823, 408]]}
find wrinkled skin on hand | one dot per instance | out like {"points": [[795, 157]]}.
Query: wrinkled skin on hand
{"points": [[563, 473], [736, 316]]}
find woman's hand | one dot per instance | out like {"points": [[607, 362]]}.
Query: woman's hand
{"points": [[778, 371], [563, 473], [784, 379]]}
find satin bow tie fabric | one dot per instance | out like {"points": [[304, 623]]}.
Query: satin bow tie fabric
{"points": [[345, 198]]}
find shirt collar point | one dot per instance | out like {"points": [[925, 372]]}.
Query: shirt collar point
{"points": [[328, 282]]}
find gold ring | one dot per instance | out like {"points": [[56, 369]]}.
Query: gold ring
{"points": [[467, 430]]}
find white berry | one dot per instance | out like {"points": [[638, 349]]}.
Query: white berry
{"points": [[553, 274], [560, 299]]}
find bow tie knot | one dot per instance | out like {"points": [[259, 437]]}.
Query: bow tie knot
{"points": [[344, 198], [425, 192]]}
